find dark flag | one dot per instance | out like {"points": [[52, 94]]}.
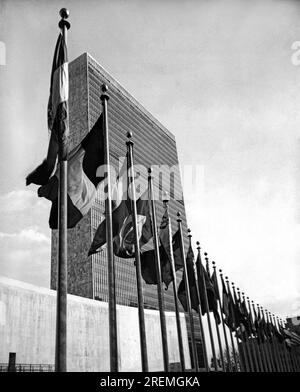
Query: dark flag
{"points": [[148, 263], [246, 317], [210, 291], [192, 284], [57, 113], [214, 280], [82, 178], [228, 307], [123, 234]]}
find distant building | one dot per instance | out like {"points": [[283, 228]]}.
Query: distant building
{"points": [[293, 324], [153, 145]]}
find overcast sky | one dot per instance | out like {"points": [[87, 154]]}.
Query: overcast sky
{"points": [[217, 74]]}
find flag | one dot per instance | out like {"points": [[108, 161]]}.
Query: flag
{"points": [[122, 227], [259, 327], [210, 291], [148, 263], [228, 307], [57, 114], [192, 283], [82, 179], [166, 241], [214, 280]]}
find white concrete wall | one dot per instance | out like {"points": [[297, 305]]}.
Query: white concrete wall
{"points": [[27, 327]]}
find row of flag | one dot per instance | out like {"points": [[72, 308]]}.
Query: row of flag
{"points": [[262, 343]]}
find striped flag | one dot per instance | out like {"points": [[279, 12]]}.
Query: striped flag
{"points": [[83, 161], [58, 122], [57, 115]]}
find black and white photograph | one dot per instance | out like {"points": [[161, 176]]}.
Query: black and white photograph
{"points": [[149, 190]]}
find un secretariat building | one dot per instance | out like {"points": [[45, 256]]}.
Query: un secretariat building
{"points": [[153, 145]]}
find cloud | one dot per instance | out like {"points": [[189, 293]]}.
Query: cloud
{"points": [[20, 200], [25, 255], [30, 235]]}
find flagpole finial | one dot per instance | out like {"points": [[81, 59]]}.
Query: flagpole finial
{"points": [[104, 88], [166, 197], [149, 171], [104, 96], [220, 272], [179, 217], [189, 232], [64, 14], [213, 264], [129, 141]]}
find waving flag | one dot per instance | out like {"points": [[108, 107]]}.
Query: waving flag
{"points": [[57, 115], [82, 179]]}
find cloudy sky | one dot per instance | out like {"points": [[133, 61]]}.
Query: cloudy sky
{"points": [[220, 76]]}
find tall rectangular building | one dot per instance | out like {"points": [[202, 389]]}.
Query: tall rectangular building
{"points": [[153, 145]]}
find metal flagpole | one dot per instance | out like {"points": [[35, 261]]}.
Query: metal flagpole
{"points": [[172, 262], [200, 274], [113, 340], [206, 364], [260, 345], [275, 346], [286, 352], [188, 296], [272, 345], [62, 267], [200, 314], [160, 297], [265, 349], [286, 363], [222, 319], [268, 348], [250, 341], [248, 352], [278, 345], [241, 348], [231, 337], [144, 357], [217, 326], [254, 341]]}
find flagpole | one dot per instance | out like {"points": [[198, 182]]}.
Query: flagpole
{"points": [[245, 349], [231, 335], [272, 345], [160, 297], [247, 345], [188, 295], [289, 365], [260, 344], [62, 268], [284, 351], [200, 314], [172, 262], [144, 357], [274, 341], [239, 346], [272, 366], [254, 340], [207, 306], [217, 326], [112, 311], [222, 319], [265, 349], [250, 340], [278, 344]]}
